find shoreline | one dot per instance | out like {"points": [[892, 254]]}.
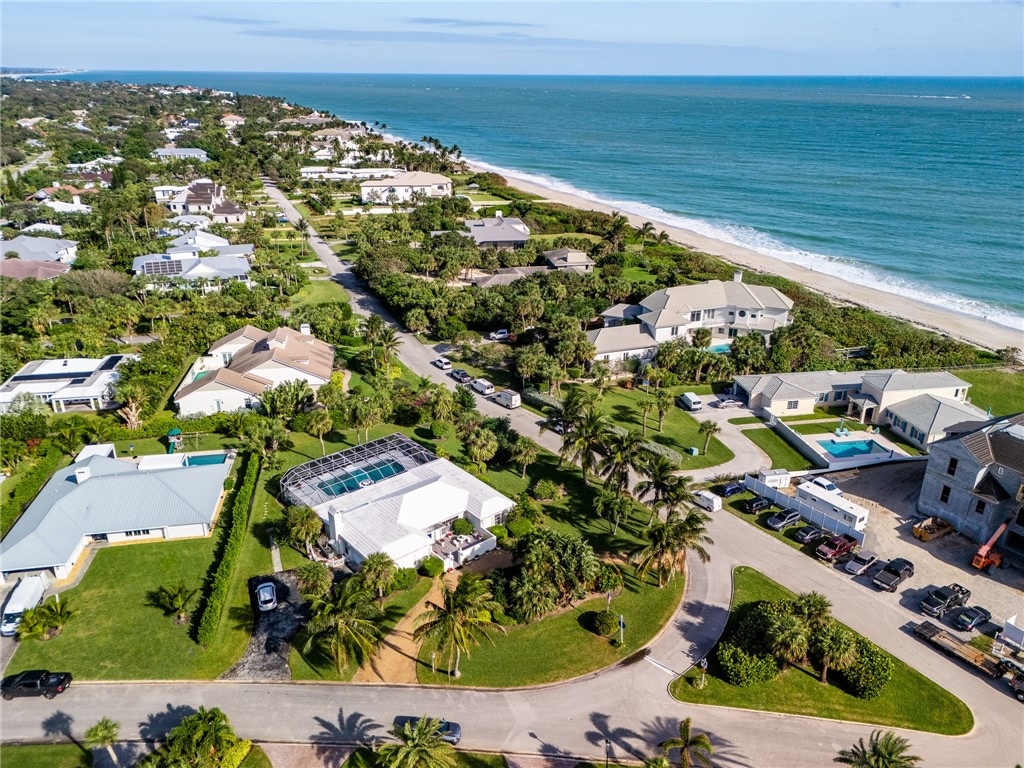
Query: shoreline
{"points": [[972, 330]]}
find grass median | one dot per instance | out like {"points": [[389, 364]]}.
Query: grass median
{"points": [[910, 700]]}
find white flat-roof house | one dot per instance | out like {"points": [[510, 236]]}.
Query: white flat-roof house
{"points": [[402, 188], [328, 173], [728, 309], [104, 499], [167, 154], [919, 406], [77, 383], [392, 495], [239, 367], [41, 248], [183, 261]]}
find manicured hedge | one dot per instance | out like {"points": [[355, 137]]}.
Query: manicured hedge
{"points": [[239, 522], [432, 566], [161, 424], [871, 672], [539, 400], [29, 486], [462, 527], [520, 527]]}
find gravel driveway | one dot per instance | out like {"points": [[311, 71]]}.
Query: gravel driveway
{"points": [[266, 658]]}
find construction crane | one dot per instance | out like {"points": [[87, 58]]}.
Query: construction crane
{"points": [[986, 557]]}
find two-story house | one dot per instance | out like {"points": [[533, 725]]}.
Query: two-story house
{"points": [[405, 186]]}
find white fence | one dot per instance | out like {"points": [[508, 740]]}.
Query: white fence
{"points": [[807, 512]]}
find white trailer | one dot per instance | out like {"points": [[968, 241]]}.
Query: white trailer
{"points": [[26, 595]]}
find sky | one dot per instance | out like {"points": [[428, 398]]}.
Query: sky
{"points": [[858, 37]]}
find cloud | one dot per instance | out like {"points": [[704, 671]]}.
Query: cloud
{"points": [[328, 35], [467, 22], [235, 20]]}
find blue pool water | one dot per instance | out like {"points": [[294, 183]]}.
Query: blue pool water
{"points": [[853, 448], [207, 458], [720, 348], [353, 480]]}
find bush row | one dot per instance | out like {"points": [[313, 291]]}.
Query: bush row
{"points": [[539, 400], [870, 672], [214, 606], [161, 424], [29, 486], [653, 447]]}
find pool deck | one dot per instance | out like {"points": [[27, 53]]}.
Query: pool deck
{"points": [[891, 450]]}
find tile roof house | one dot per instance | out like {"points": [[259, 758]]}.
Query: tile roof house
{"points": [[230, 121], [975, 480], [202, 196], [403, 187], [41, 249], [498, 232], [238, 368], [727, 309], [16, 269], [104, 499]]}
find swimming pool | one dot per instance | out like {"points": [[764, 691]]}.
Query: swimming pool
{"points": [[206, 458], [721, 349], [846, 449], [354, 479]]}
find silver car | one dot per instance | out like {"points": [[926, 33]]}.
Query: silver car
{"points": [[860, 562], [266, 596]]}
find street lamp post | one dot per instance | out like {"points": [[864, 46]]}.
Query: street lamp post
{"points": [[607, 750]]}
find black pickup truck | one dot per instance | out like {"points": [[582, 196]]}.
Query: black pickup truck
{"points": [[35, 682], [944, 599], [893, 574]]}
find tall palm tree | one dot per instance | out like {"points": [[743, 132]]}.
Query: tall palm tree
{"points": [[661, 483], [647, 404], [836, 646], [389, 342], [645, 232], [378, 574], [694, 747], [623, 452], [814, 608], [789, 638], [663, 402], [419, 746], [103, 735], [461, 619], [884, 750], [314, 578], [709, 429], [583, 440], [319, 424], [524, 452], [668, 542], [612, 506], [346, 623]]}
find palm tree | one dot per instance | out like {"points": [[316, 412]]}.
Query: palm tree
{"points": [[709, 429], [667, 543], [320, 423], [836, 646], [694, 747], [532, 595], [647, 404], [481, 445], [789, 638], [303, 525], [524, 452], [645, 231], [657, 761], [346, 623], [314, 578], [613, 507], [103, 735], [663, 402], [176, 599], [623, 452], [702, 338], [884, 750], [420, 746], [378, 574], [663, 485], [584, 438], [389, 342], [200, 738], [461, 619], [814, 608]]}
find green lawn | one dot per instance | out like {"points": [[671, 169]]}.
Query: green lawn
{"points": [[638, 275], [740, 420], [782, 454], [834, 412], [319, 292], [827, 427], [145, 446], [1001, 391], [367, 758], [910, 700], [45, 756], [536, 653]]}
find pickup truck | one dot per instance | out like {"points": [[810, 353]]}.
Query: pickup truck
{"points": [[940, 601], [836, 548], [1017, 684], [35, 682], [895, 572]]}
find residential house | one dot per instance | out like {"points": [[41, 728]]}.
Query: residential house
{"points": [[186, 266], [44, 227], [102, 499], [16, 269], [41, 249], [201, 197], [498, 232], [231, 121], [507, 276], [168, 154], [77, 383], [975, 480], [569, 259], [75, 206], [238, 368], [328, 173], [404, 187], [394, 496]]}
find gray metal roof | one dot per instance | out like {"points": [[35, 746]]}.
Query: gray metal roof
{"points": [[932, 414], [116, 497], [897, 379]]}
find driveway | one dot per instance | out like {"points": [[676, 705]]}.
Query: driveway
{"points": [[266, 657]]}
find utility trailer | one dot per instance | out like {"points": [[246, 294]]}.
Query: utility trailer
{"points": [[953, 646]]}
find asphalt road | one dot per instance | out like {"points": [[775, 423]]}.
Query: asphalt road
{"points": [[628, 704]]}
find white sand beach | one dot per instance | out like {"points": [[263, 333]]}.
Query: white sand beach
{"points": [[970, 329]]}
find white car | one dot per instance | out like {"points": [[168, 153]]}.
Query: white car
{"points": [[860, 562], [728, 402], [500, 335], [443, 363], [266, 596]]}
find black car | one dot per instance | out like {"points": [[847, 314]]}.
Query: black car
{"points": [[35, 682], [757, 504], [730, 489], [450, 732], [971, 618], [461, 376], [809, 534], [555, 425]]}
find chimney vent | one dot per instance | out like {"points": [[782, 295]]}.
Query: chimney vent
{"points": [[305, 328], [82, 474]]}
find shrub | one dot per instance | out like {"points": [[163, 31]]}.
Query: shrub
{"points": [[405, 578], [502, 619], [752, 622], [29, 485], [540, 400], [546, 490], [742, 668], [520, 527], [432, 567], [499, 531], [526, 508], [462, 527], [236, 754], [442, 429], [229, 482], [609, 578], [606, 623], [870, 673]]}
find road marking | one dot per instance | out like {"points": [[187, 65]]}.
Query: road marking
{"points": [[660, 666]]}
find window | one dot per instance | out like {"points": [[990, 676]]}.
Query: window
{"points": [[140, 532], [675, 331], [695, 316], [823, 397], [944, 495], [979, 508], [733, 333], [951, 468], [841, 394], [743, 313], [731, 313], [792, 405], [709, 313]]}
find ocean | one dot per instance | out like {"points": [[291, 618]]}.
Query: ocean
{"points": [[911, 185]]}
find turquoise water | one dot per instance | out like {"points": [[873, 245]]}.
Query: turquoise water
{"points": [[910, 185], [207, 458], [353, 480], [720, 348], [854, 448]]}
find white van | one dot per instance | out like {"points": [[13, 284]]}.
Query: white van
{"points": [[508, 398], [707, 500], [26, 595], [690, 401], [483, 386]]}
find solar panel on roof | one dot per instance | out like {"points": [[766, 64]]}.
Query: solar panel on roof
{"points": [[110, 363], [169, 267], [77, 381]]}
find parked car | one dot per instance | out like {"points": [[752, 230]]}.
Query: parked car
{"points": [[482, 387], [450, 732], [500, 335], [443, 363], [971, 618], [730, 489], [35, 682], [836, 549], [757, 504], [266, 596], [555, 425], [942, 600], [809, 533], [689, 401], [728, 402], [783, 519], [461, 376], [893, 574], [861, 561]]}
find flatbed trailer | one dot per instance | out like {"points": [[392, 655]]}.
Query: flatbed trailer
{"points": [[951, 645]]}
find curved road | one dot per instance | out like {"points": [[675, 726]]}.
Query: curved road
{"points": [[628, 704]]}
